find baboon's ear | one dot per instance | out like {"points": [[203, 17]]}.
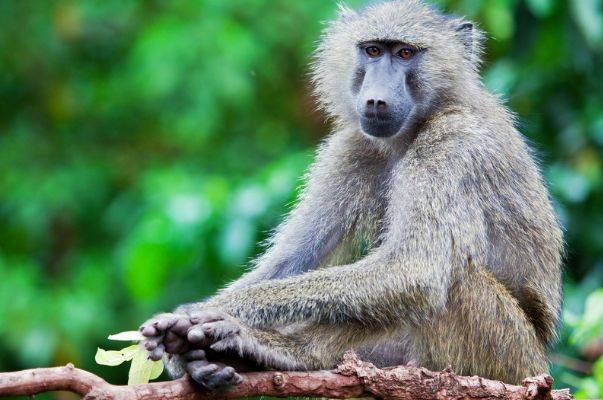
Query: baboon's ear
{"points": [[465, 32]]}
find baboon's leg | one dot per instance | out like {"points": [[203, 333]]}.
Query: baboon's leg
{"points": [[482, 332], [389, 352]]}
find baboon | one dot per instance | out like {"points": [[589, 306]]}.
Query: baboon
{"points": [[424, 231]]}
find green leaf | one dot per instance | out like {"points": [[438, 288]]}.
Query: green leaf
{"points": [[128, 336], [156, 369], [116, 357], [143, 369]]}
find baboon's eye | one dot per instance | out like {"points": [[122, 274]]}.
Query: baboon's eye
{"points": [[373, 51], [406, 53]]}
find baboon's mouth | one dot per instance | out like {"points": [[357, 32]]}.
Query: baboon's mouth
{"points": [[378, 127]]}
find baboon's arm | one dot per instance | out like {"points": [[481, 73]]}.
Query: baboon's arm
{"points": [[303, 320], [431, 227], [378, 290], [305, 347], [308, 234]]}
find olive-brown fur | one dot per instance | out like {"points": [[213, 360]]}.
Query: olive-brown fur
{"points": [[463, 266]]}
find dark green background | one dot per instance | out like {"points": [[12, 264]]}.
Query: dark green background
{"points": [[147, 146]]}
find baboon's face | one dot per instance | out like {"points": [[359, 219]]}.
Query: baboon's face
{"points": [[385, 86], [388, 68]]}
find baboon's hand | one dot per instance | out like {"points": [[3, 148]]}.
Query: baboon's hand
{"points": [[217, 330], [211, 375], [166, 333]]}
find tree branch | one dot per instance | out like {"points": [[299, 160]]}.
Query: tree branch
{"points": [[352, 378]]}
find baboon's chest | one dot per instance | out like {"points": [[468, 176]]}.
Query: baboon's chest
{"points": [[364, 236]]}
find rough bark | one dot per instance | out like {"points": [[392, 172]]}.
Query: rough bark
{"points": [[352, 378]]}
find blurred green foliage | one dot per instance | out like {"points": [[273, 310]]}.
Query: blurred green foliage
{"points": [[148, 146]]}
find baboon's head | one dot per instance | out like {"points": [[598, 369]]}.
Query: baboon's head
{"points": [[387, 68]]}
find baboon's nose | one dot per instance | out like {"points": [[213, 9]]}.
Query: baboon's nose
{"points": [[376, 108]]}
